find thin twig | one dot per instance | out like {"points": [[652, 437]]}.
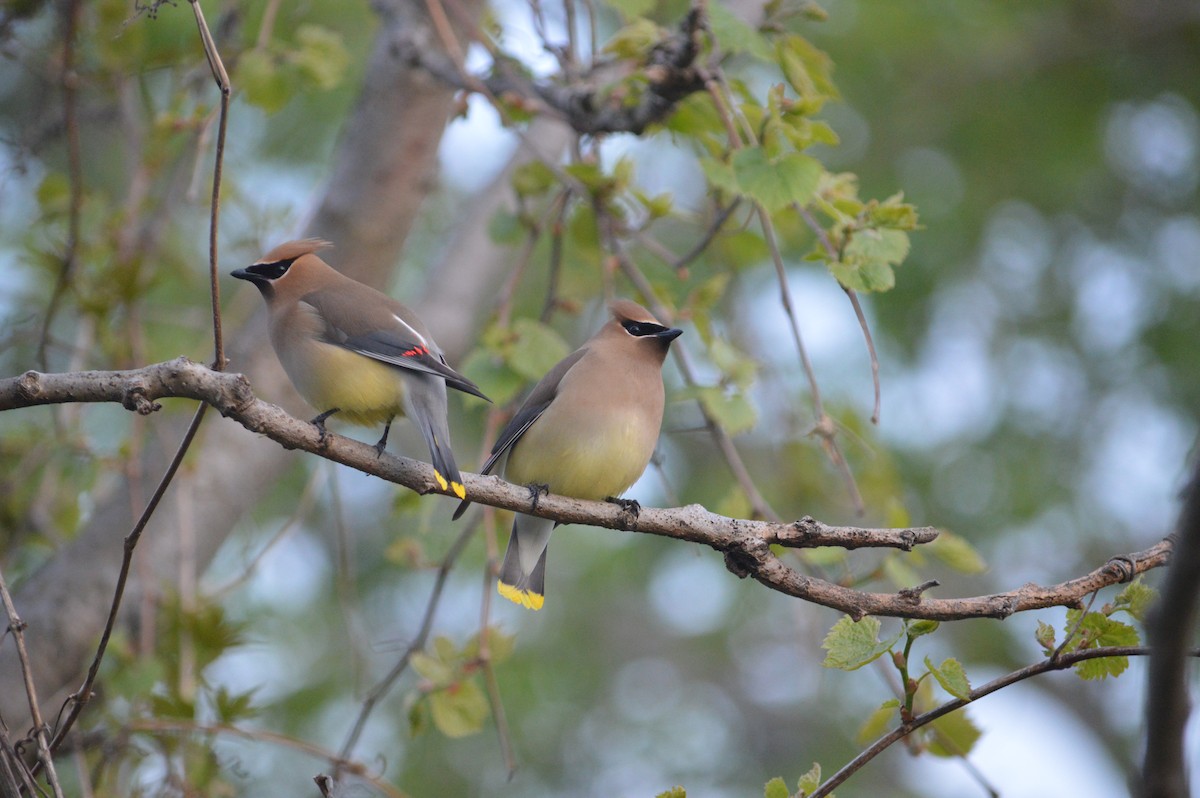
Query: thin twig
{"points": [[870, 341], [80, 698], [222, 79], [70, 85], [17, 628], [385, 684], [556, 253], [900, 732], [307, 497], [684, 260], [171, 726], [347, 597], [832, 253], [489, 676], [824, 426]]}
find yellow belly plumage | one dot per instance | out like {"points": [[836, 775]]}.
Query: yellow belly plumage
{"points": [[367, 391], [592, 464]]}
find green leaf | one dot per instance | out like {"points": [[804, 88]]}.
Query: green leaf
{"points": [[957, 553], [262, 82], [1097, 630], [808, 70], [734, 36], [878, 246], [850, 645], [720, 175], [54, 193], [674, 792], [1101, 668], [894, 213], [500, 645], [418, 718], [494, 377], [921, 628], [1045, 637], [460, 709], [432, 669], [320, 56], [811, 780], [630, 9], [533, 178], [733, 411], [868, 258], [778, 182], [878, 722], [536, 350], [635, 40], [954, 735], [231, 707], [951, 676], [776, 788], [738, 367], [1136, 599]]}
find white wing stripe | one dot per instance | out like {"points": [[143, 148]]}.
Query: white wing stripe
{"points": [[409, 327]]}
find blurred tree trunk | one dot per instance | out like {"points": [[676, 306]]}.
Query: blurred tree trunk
{"points": [[384, 166]]}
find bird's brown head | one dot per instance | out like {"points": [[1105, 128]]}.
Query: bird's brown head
{"points": [[284, 264], [640, 327]]}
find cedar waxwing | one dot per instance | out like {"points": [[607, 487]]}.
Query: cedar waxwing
{"points": [[352, 350], [587, 430]]}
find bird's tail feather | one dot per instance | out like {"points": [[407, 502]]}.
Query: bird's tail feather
{"points": [[517, 584], [425, 402]]}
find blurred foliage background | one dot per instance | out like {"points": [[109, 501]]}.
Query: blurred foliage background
{"points": [[1038, 374]]}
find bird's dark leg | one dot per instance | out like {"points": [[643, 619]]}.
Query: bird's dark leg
{"points": [[630, 506], [379, 447], [536, 491], [319, 423]]}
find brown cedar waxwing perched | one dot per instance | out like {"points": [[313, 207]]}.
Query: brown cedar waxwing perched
{"points": [[587, 430], [352, 350]]}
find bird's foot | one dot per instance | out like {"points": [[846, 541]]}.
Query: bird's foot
{"points": [[382, 443], [319, 423], [630, 506], [536, 491]]}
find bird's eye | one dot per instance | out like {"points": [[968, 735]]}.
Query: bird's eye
{"points": [[641, 328]]}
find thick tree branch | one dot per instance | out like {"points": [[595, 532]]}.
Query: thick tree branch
{"points": [[746, 544]]}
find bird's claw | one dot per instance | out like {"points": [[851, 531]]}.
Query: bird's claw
{"points": [[319, 423], [536, 491], [630, 506]]}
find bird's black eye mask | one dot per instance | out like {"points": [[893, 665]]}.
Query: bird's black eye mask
{"points": [[639, 329], [270, 271]]}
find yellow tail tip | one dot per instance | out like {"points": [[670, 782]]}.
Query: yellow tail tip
{"points": [[458, 489], [441, 480], [526, 598]]}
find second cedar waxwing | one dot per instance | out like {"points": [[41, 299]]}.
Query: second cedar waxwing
{"points": [[586, 430], [352, 350]]}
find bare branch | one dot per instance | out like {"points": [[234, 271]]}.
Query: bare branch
{"points": [[384, 685], [1056, 663], [80, 698], [166, 726], [668, 76], [17, 629], [746, 544]]}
